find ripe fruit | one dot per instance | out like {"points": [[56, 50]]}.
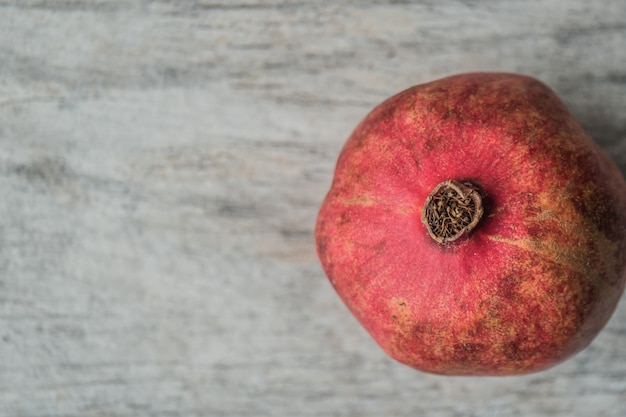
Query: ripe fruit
{"points": [[474, 229]]}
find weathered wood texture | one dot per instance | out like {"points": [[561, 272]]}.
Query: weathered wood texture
{"points": [[161, 166]]}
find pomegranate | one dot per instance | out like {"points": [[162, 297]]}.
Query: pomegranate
{"points": [[474, 229]]}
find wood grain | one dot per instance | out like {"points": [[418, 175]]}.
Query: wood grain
{"points": [[161, 166]]}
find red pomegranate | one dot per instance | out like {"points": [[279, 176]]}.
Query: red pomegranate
{"points": [[474, 229]]}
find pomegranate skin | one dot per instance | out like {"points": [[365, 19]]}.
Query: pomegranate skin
{"points": [[543, 270]]}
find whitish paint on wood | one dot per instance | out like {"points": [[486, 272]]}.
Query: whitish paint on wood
{"points": [[161, 165]]}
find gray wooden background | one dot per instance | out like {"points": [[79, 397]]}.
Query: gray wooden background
{"points": [[161, 167]]}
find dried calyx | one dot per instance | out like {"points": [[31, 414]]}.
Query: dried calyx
{"points": [[452, 210]]}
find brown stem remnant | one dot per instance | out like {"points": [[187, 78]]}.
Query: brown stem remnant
{"points": [[452, 210]]}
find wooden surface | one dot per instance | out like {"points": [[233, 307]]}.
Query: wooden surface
{"points": [[161, 167]]}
